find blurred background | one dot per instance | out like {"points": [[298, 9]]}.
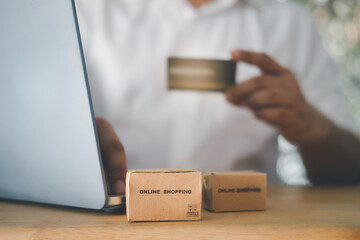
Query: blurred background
{"points": [[339, 23]]}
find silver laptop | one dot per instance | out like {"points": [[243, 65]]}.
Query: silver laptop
{"points": [[49, 151]]}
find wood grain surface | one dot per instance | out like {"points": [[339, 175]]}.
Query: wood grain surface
{"points": [[292, 213]]}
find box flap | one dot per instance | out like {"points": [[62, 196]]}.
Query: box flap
{"points": [[162, 171], [246, 172]]}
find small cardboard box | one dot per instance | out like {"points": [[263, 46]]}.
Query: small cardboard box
{"points": [[235, 191], [163, 195]]}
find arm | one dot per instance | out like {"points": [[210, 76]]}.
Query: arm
{"points": [[331, 155], [334, 159]]}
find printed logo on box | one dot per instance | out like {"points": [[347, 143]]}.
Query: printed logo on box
{"points": [[192, 210], [240, 190]]}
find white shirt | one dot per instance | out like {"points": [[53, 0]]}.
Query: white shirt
{"points": [[127, 43]]}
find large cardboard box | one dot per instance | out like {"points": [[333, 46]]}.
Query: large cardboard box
{"points": [[235, 191], [163, 195]]}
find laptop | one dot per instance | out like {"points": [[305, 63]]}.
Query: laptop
{"points": [[49, 150]]}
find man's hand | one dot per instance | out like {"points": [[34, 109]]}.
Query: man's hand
{"points": [[113, 155], [276, 98], [330, 154]]}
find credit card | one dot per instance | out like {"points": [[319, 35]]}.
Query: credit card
{"points": [[200, 74]]}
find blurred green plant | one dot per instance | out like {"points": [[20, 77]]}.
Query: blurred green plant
{"points": [[339, 23]]}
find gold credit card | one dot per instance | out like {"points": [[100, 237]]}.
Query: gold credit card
{"points": [[200, 74]]}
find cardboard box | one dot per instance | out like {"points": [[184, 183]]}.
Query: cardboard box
{"points": [[163, 195], [235, 191]]}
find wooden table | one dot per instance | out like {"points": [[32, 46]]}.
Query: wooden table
{"points": [[293, 213]]}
